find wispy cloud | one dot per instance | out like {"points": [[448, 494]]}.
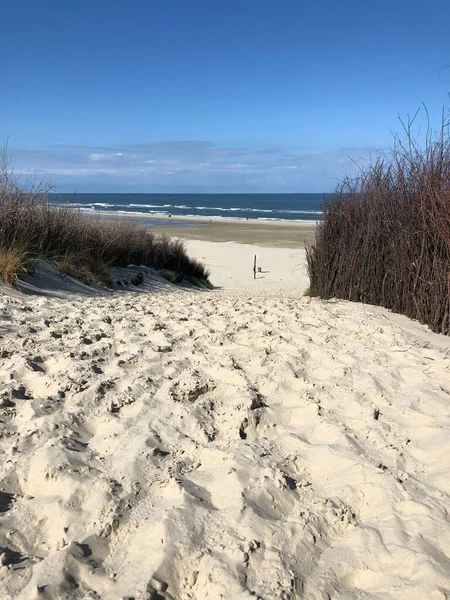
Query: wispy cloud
{"points": [[194, 164]]}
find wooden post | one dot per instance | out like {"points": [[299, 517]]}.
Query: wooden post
{"points": [[255, 256]]}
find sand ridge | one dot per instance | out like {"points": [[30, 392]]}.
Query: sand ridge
{"points": [[221, 444]]}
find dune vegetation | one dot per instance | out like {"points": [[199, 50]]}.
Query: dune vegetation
{"points": [[385, 235], [31, 229]]}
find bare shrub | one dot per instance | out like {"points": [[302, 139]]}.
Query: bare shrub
{"points": [[385, 234]]}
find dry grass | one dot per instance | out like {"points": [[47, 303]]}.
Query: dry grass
{"points": [[79, 245], [169, 275], [385, 235], [14, 263]]}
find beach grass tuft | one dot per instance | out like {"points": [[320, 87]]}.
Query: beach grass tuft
{"points": [[85, 247], [199, 282], [168, 275], [385, 235], [14, 263]]}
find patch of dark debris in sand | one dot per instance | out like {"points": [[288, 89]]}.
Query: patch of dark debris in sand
{"points": [[258, 400], [35, 364], [6, 501], [21, 393], [10, 557]]}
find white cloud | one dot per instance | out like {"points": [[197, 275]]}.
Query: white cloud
{"points": [[201, 164]]}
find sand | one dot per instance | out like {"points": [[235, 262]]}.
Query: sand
{"points": [[286, 234], [231, 265], [242, 443], [280, 234]]}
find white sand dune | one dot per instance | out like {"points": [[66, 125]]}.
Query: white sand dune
{"points": [[233, 444]]}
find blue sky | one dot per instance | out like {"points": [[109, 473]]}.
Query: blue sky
{"points": [[211, 95]]}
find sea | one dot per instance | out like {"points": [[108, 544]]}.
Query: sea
{"points": [[263, 207]]}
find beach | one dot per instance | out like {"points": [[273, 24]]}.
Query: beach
{"points": [[286, 234], [225, 301], [235, 443], [280, 234]]}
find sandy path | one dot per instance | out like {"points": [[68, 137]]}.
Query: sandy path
{"points": [[231, 266], [224, 444]]}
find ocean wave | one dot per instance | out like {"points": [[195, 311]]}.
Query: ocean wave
{"points": [[287, 220], [134, 212], [232, 209], [302, 212], [155, 206], [206, 212], [86, 205], [137, 214], [229, 209], [91, 204], [184, 207], [122, 209], [146, 205]]}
